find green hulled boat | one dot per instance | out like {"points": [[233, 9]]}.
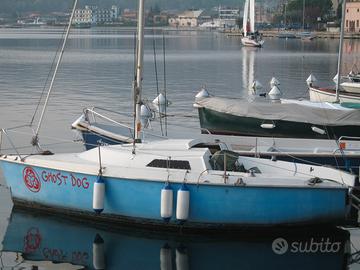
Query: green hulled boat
{"points": [[284, 119]]}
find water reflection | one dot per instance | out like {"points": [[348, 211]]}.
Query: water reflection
{"points": [[46, 238], [248, 67]]}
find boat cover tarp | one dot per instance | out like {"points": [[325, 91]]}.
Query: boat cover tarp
{"points": [[296, 112]]}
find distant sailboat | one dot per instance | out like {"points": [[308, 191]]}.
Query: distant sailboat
{"points": [[251, 38], [304, 35]]}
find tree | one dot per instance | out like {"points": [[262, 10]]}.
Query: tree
{"points": [[313, 10]]}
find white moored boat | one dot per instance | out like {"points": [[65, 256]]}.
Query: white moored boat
{"points": [[177, 183], [343, 92]]}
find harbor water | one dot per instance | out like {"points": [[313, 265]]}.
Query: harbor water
{"points": [[98, 70]]}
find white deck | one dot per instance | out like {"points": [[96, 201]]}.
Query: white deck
{"points": [[120, 162]]}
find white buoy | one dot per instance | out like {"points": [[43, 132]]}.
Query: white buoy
{"points": [[182, 203], [99, 195], [160, 100], [203, 93], [166, 258], [275, 93], [98, 253], [182, 258], [161, 103], [166, 208], [274, 82], [256, 86], [311, 80]]}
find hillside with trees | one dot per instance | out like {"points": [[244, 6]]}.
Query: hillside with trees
{"points": [[20, 6], [314, 9]]}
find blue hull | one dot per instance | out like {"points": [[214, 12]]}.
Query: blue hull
{"points": [[92, 139], [210, 206], [42, 238]]}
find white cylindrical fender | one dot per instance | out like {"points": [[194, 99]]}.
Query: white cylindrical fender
{"points": [[99, 195], [166, 207], [318, 130], [182, 259], [99, 253], [183, 203], [166, 258]]}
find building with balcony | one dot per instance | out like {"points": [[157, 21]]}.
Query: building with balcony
{"points": [[94, 15]]}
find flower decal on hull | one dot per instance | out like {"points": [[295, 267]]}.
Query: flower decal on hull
{"points": [[31, 179]]}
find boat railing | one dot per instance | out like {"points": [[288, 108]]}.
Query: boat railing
{"points": [[4, 132], [342, 143], [93, 112], [348, 138]]}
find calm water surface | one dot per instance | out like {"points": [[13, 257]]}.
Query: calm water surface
{"points": [[97, 69]]}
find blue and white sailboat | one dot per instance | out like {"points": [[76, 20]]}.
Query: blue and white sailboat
{"points": [[184, 184], [172, 181]]}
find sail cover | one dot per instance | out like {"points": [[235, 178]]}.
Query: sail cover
{"points": [[296, 112]]}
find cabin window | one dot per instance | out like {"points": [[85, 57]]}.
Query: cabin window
{"points": [[170, 164]]}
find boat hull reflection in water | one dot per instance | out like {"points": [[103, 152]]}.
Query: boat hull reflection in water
{"points": [[40, 238]]}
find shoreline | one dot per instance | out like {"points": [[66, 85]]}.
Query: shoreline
{"points": [[227, 32], [317, 34]]}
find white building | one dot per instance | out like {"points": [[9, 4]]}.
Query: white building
{"points": [[189, 18], [228, 16], [94, 15], [85, 15]]}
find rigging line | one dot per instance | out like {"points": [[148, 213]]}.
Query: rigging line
{"points": [[35, 140], [47, 137], [164, 66], [108, 110], [157, 83], [47, 145], [134, 86], [48, 76]]}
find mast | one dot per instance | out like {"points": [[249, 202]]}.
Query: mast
{"points": [[285, 7], [303, 22], [245, 19], [252, 16], [139, 70], [340, 51]]}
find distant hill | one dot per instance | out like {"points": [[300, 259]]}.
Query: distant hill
{"points": [[20, 6]]}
